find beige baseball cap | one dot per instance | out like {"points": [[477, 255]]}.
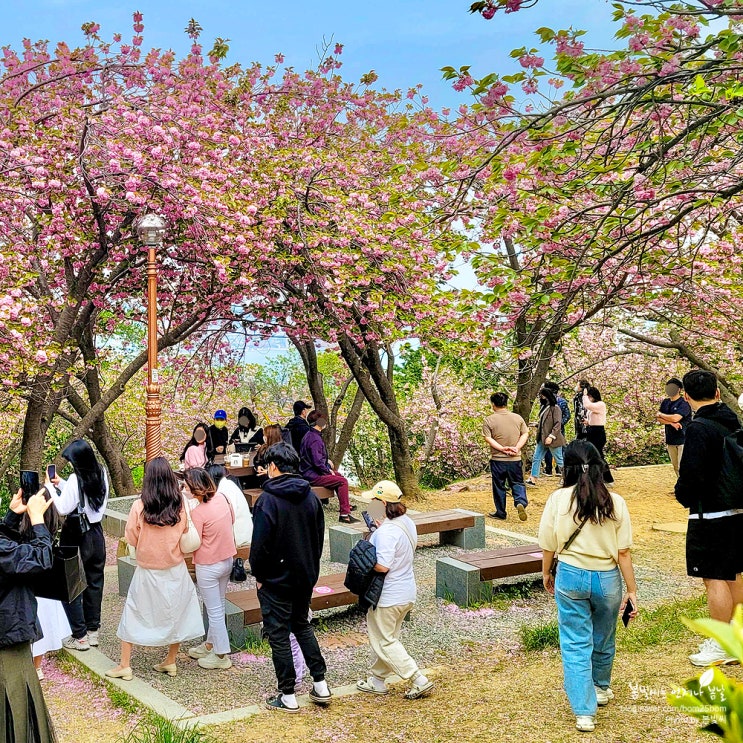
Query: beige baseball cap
{"points": [[385, 490]]}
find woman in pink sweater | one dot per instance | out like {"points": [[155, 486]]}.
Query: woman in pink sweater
{"points": [[213, 519], [596, 434], [161, 608]]}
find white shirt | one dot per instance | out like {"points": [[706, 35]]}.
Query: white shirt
{"points": [[68, 497], [243, 527], [394, 541]]}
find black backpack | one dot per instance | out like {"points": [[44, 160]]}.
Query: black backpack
{"points": [[286, 436], [730, 483]]}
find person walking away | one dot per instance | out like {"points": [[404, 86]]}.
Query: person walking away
{"points": [[22, 558], [395, 540], [506, 434], [213, 519], [549, 433], [248, 432], [298, 426], [565, 408], [316, 468], [217, 436], [596, 432], [588, 585], [82, 498], [194, 453], [288, 536], [580, 414], [714, 549], [243, 527], [675, 416], [161, 609]]}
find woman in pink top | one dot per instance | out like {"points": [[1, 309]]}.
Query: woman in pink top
{"points": [[213, 519], [596, 434], [161, 607], [194, 455]]}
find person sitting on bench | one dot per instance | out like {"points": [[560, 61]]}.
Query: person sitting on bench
{"points": [[316, 468]]}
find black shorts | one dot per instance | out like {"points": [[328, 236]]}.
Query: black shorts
{"points": [[714, 548]]}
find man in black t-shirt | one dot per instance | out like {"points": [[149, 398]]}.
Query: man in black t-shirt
{"points": [[675, 415]]}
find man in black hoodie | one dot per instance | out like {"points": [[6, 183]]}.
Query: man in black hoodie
{"points": [[288, 536], [298, 425], [714, 549]]}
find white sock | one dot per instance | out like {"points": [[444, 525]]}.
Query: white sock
{"points": [[378, 683], [321, 688], [290, 700], [420, 680]]}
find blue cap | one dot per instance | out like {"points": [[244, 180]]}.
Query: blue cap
{"points": [[220, 415]]}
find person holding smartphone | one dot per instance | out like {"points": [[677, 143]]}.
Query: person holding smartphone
{"points": [[82, 499], [589, 530]]}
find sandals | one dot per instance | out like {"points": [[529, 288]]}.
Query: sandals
{"points": [[367, 686], [415, 691]]}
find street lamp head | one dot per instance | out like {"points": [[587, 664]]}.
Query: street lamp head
{"points": [[151, 229]]}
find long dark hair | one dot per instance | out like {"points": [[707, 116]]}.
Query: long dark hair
{"points": [[200, 483], [52, 520], [252, 422], [90, 478], [584, 472], [161, 495], [548, 395], [218, 473], [192, 440]]}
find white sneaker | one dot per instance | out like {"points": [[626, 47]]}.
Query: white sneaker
{"points": [[603, 696], [200, 651], [585, 723], [71, 643], [93, 639], [214, 662], [711, 654]]}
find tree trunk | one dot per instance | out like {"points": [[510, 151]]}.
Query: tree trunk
{"points": [[340, 448]]}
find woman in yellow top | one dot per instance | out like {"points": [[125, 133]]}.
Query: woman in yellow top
{"points": [[588, 586]]}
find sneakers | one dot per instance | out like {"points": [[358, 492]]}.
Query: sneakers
{"points": [[200, 651], [498, 516], [522, 512], [711, 654], [346, 518], [530, 481], [277, 703], [74, 643], [585, 723], [213, 662], [603, 696], [93, 639]]}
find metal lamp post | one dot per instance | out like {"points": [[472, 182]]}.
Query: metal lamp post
{"points": [[151, 232]]}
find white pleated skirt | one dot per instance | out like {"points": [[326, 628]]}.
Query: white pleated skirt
{"points": [[161, 608], [54, 625]]}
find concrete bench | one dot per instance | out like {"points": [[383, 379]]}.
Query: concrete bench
{"points": [[465, 529], [244, 611], [252, 494], [464, 579], [127, 565]]}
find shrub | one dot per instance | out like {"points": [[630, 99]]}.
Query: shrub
{"points": [[155, 729], [539, 636]]}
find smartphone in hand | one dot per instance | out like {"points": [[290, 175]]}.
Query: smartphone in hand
{"points": [[368, 521], [51, 472], [29, 484], [628, 609]]}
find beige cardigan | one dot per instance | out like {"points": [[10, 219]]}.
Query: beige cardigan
{"points": [[550, 424]]}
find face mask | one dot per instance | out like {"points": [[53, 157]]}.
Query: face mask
{"points": [[219, 424], [244, 422]]}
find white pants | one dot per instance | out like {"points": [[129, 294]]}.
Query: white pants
{"points": [[212, 581], [384, 625]]}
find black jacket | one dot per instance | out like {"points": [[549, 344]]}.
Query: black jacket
{"points": [[19, 560], [216, 437], [361, 578], [699, 470], [288, 536], [297, 427]]}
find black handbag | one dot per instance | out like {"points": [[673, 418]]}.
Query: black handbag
{"points": [[65, 581], [238, 574]]}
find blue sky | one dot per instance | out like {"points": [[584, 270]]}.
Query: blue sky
{"points": [[405, 41]]}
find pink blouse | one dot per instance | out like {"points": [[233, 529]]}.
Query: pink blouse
{"points": [[596, 411], [195, 456]]}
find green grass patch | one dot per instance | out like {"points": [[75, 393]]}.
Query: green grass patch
{"points": [[539, 636], [503, 595], [662, 625], [156, 729], [254, 644]]}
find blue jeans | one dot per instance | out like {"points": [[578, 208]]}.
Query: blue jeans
{"points": [[588, 604], [511, 473], [539, 453]]}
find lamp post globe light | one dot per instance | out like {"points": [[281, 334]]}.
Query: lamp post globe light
{"points": [[151, 233]]}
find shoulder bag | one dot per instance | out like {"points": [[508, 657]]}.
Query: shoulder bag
{"points": [[190, 539], [553, 566]]}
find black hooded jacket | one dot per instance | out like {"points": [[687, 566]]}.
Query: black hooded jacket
{"points": [[288, 536], [297, 427], [699, 470]]}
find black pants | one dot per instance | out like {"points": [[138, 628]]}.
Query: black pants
{"points": [[281, 616], [597, 436], [84, 613]]}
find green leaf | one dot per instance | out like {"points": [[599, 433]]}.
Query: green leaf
{"points": [[724, 633]]}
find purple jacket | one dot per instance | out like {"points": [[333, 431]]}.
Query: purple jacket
{"points": [[313, 456]]}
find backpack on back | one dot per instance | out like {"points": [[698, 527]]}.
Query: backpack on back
{"points": [[286, 436], [730, 483]]}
